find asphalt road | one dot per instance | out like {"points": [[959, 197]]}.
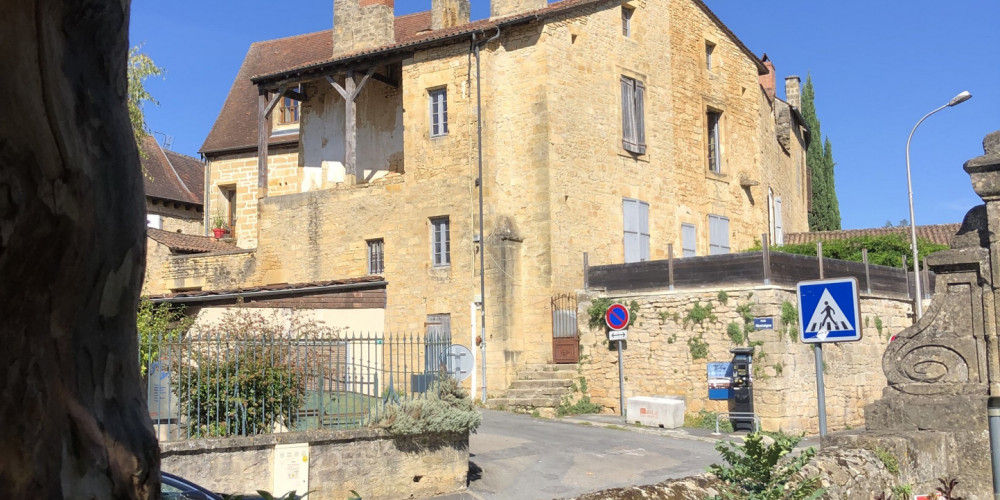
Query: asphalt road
{"points": [[519, 457]]}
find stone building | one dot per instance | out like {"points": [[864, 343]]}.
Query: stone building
{"points": [[423, 147]]}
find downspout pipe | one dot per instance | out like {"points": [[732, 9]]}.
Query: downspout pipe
{"points": [[482, 235]]}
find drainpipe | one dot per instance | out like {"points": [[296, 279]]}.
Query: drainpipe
{"points": [[482, 235], [994, 426]]}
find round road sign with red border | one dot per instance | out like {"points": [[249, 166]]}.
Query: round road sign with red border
{"points": [[617, 317]]}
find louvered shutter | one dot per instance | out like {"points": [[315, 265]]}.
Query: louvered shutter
{"points": [[630, 208], [718, 235], [689, 243], [628, 117], [640, 125]]}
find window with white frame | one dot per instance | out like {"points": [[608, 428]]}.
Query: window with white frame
{"points": [[718, 235], [439, 112], [440, 241], [714, 150], [376, 256], [633, 121], [636, 223], [627, 20], [689, 240]]}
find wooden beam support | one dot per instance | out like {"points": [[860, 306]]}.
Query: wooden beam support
{"points": [[388, 80], [264, 107], [294, 95], [350, 92]]}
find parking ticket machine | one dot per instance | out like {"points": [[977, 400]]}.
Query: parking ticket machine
{"points": [[741, 393]]}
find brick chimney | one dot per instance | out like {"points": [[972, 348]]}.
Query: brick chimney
{"points": [[362, 24], [504, 8], [449, 13], [792, 92], [767, 81]]}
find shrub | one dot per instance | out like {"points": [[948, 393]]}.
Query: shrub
{"points": [[698, 347], [158, 323], [753, 473], [884, 250], [705, 419], [888, 459], [446, 409]]}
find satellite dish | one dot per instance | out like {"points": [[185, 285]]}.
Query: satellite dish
{"points": [[460, 362]]}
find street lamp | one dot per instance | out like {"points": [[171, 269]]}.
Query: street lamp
{"points": [[959, 99]]}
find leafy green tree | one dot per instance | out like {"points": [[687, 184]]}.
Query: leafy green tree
{"points": [[140, 67], [883, 250], [824, 211]]}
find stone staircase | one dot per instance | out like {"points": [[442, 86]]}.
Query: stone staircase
{"points": [[539, 387]]}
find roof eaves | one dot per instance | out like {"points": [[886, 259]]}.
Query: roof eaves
{"points": [[761, 69]]}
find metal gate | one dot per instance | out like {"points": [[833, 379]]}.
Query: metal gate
{"points": [[565, 337]]}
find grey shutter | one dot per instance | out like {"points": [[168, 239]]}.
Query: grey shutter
{"points": [[718, 235], [628, 118], [437, 342], [779, 235], [640, 125], [643, 231], [689, 245], [630, 208]]}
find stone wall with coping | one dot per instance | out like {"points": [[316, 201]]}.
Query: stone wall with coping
{"points": [[659, 360], [205, 271], [368, 461]]}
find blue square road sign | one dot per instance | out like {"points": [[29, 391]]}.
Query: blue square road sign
{"points": [[829, 310]]}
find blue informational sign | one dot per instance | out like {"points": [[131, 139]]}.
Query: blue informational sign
{"points": [[829, 310], [763, 323], [720, 378]]}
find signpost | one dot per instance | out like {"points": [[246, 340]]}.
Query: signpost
{"points": [[617, 318], [829, 310]]}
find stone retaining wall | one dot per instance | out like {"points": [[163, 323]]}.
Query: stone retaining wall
{"points": [[368, 461], [659, 357]]}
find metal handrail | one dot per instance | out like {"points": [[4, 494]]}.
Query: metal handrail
{"points": [[737, 414]]}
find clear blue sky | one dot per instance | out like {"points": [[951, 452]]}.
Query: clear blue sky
{"points": [[877, 68]]}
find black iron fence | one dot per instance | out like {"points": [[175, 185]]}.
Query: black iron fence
{"points": [[216, 385]]}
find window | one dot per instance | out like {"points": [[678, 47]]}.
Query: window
{"points": [[627, 21], [633, 127], [439, 112], [636, 230], [376, 256], [709, 49], [689, 241], [714, 151], [229, 193], [288, 112], [718, 235], [154, 221], [440, 241]]}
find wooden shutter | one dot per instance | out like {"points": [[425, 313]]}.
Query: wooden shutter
{"points": [[718, 235], [643, 231], [628, 118], [630, 209], [779, 235], [640, 125], [689, 241]]}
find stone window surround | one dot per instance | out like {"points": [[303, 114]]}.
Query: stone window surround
{"points": [[376, 256], [440, 228], [634, 123], [710, 105]]}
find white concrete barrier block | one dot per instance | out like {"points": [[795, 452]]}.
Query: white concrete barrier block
{"points": [[656, 411]]}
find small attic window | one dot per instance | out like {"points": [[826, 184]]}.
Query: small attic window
{"points": [[627, 20], [709, 50]]}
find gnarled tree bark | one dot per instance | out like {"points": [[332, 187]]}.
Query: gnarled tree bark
{"points": [[72, 253]]}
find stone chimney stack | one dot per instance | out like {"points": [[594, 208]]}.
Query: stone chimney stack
{"points": [[449, 13], [504, 8], [362, 24], [793, 94], [767, 81]]}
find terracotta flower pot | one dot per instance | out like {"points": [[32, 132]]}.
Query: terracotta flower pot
{"points": [[218, 232]]}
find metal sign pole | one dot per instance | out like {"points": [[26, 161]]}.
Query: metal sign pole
{"points": [[820, 390], [621, 381]]}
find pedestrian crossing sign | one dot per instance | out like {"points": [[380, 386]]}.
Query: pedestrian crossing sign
{"points": [[829, 310]]}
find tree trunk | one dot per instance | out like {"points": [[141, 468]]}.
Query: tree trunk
{"points": [[72, 251]]}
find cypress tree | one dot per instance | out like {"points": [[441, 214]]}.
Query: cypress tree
{"points": [[824, 210]]}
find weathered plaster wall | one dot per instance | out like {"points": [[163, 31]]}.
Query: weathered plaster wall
{"points": [[658, 359], [367, 461]]}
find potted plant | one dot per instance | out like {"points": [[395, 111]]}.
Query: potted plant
{"points": [[219, 226]]}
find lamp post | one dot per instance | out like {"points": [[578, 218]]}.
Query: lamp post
{"points": [[958, 99]]}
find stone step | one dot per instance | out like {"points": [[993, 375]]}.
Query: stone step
{"points": [[550, 367], [547, 375], [542, 383], [542, 392], [536, 402]]}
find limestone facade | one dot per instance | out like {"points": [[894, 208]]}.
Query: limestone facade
{"points": [[555, 170], [659, 358]]}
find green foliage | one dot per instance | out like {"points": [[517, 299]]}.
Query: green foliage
{"points": [[888, 459], [140, 67], [699, 313], [878, 325], [663, 315], [698, 347], [723, 297], [445, 409], [581, 406], [706, 420], [779, 368], [158, 324], [902, 491], [753, 473], [824, 212], [735, 332], [672, 338], [790, 320], [883, 250], [599, 306]]}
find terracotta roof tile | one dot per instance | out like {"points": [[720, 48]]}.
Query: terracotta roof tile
{"points": [[171, 176], [278, 287], [188, 243], [937, 233]]}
